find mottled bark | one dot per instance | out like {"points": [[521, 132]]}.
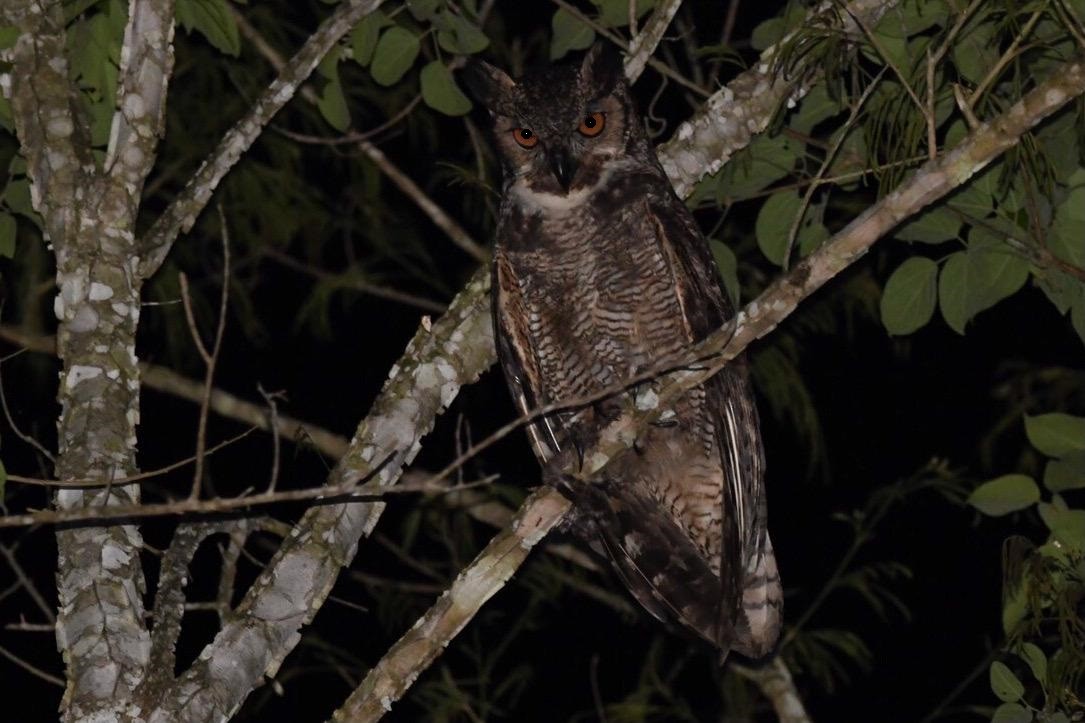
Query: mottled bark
{"points": [[89, 218]]}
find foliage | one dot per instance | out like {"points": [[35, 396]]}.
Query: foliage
{"points": [[1043, 586]]}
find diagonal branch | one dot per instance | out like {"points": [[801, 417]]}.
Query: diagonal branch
{"points": [[489, 571], [182, 212]]}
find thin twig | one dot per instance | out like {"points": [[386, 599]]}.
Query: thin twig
{"points": [[928, 114], [327, 495], [436, 214], [273, 424], [1006, 59], [36, 671], [11, 421], [94, 483], [830, 156], [211, 360], [656, 65], [28, 584], [351, 281]]}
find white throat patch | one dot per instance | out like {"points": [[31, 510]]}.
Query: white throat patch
{"points": [[552, 203]]}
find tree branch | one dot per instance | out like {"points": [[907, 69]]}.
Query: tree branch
{"points": [[187, 205]]}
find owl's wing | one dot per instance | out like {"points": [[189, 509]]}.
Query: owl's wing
{"points": [[730, 399], [515, 352], [665, 570]]}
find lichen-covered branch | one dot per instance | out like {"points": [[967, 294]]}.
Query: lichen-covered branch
{"points": [[645, 43], [142, 83], [187, 205], [438, 360], [476, 584], [89, 217], [775, 683], [744, 107]]}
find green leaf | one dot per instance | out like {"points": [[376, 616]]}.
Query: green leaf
{"points": [[816, 107], [1012, 713], [17, 199], [1068, 526], [933, 227], [423, 10], [953, 288], [8, 35], [395, 54], [440, 92], [1077, 313], [765, 160], [774, 222], [1036, 660], [913, 16], [996, 271], [812, 234], [975, 51], [1067, 237], [909, 296], [1005, 494], [569, 34], [213, 20], [3, 479], [363, 39], [7, 120], [1067, 473], [727, 264], [1005, 684], [7, 235], [615, 13], [333, 105], [1056, 434], [459, 35], [774, 29]]}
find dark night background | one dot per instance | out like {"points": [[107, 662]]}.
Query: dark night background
{"points": [[886, 407]]}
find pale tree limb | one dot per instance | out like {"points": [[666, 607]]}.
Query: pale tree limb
{"points": [[187, 205], [89, 218], [405, 661], [775, 683], [477, 583], [460, 346], [644, 44], [736, 113]]}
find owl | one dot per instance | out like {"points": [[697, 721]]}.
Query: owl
{"points": [[600, 272]]}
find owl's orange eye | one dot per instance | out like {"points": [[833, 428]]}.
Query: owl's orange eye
{"points": [[592, 125], [525, 137]]}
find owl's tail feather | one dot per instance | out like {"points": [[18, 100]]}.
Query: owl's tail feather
{"points": [[761, 618], [657, 561]]}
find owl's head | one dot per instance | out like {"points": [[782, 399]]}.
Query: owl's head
{"points": [[560, 130]]}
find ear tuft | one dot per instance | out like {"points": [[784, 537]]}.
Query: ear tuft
{"points": [[486, 83], [602, 66]]}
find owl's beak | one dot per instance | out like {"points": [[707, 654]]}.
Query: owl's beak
{"points": [[563, 165]]}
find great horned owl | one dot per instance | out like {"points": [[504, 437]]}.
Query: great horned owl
{"points": [[600, 271]]}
